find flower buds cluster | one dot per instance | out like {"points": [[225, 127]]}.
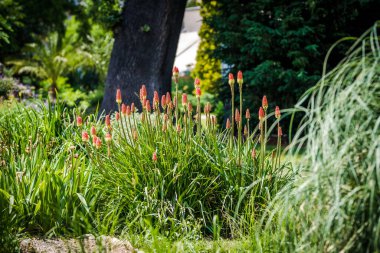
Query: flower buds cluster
{"points": [[118, 96], [79, 121], [277, 112], [237, 116], [247, 114], [261, 113], [228, 124], [265, 103], [240, 78]]}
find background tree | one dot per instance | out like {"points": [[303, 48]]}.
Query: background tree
{"points": [[281, 46], [207, 67], [144, 49]]}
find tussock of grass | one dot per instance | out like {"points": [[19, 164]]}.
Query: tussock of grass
{"points": [[334, 206]]}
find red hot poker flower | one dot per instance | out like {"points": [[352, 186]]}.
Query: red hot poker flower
{"points": [[98, 143], [168, 98], [265, 103], [228, 124], [123, 109], [240, 78], [128, 110], [154, 156], [117, 115], [184, 99], [108, 137], [85, 136], [93, 131], [118, 96], [175, 71], [237, 116], [261, 113], [277, 112], [197, 82], [143, 91], [163, 101], [247, 114], [108, 121], [198, 92], [231, 79], [156, 99], [79, 121], [147, 106], [133, 109], [279, 131]]}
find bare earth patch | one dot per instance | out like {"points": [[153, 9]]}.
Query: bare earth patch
{"points": [[88, 244]]}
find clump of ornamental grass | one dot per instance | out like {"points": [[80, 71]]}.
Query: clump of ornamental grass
{"points": [[334, 205], [45, 183], [169, 168]]}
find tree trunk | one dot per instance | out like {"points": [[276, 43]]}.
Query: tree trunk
{"points": [[144, 50]]}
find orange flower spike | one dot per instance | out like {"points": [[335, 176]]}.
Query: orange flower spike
{"points": [[265, 103], [163, 102], [156, 98], [184, 99], [237, 116], [128, 110], [240, 78], [108, 138], [189, 107], [143, 91], [198, 92], [168, 98], [279, 131], [118, 96], [175, 71], [197, 82], [98, 143], [85, 136], [261, 113], [228, 124], [94, 138], [108, 121], [154, 157], [213, 120], [133, 109], [79, 121], [247, 114], [117, 115], [231, 79], [277, 112], [123, 109], [93, 131], [147, 106], [178, 128]]}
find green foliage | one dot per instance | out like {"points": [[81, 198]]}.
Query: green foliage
{"points": [[207, 67], [279, 45], [333, 206], [106, 13], [6, 85]]}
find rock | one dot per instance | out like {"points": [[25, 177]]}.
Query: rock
{"points": [[87, 243]]}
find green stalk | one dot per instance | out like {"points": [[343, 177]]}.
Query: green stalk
{"points": [[233, 115], [199, 116], [240, 124]]}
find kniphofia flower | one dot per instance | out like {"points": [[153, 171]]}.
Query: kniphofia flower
{"points": [[228, 124], [108, 121], [117, 115], [198, 92], [163, 102], [277, 112], [240, 78], [98, 143], [154, 156], [247, 114], [124, 109], [128, 110], [93, 131], [197, 82], [147, 106], [79, 121], [168, 98], [175, 71], [265, 103], [261, 113], [133, 109], [143, 91], [237, 116], [118, 96], [279, 131], [231, 79], [184, 99], [108, 137], [85, 136]]}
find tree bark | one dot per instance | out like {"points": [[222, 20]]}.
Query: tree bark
{"points": [[144, 50]]}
